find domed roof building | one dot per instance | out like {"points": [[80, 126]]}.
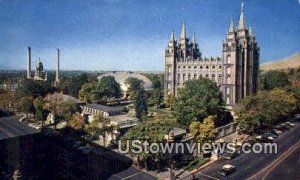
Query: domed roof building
{"points": [[121, 77]]}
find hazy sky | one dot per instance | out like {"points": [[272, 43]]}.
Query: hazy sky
{"points": [[132, 34]]}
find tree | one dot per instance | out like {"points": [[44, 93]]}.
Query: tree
{"points": [[110, 87], [4, 98], [73, 84], [152, 130], [134, 85], [25, 104], [274, 79], [66, 109], [263, 111], [106, 88], [77, 122], [203, 131], [38, 109], [105, 126], [89, 92], [198, 99], [140, 104], [170, 101], [34, 88], [158, 97]]}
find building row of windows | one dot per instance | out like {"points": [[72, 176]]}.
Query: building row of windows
{"points": [[201, 67], [185, 77]]}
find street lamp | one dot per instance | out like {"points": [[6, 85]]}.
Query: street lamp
{"points": [[171, 140]]}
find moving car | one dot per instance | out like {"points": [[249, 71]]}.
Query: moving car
{"points": [[227, 169], [231, 155]]}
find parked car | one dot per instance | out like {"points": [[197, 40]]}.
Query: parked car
{"points": [[270, 134], [283, 127], [264, 139], [22, 119], [227, 169], [230, 155], [290, 124], [276, 131]]}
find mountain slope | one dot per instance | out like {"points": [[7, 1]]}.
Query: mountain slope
{"points": [[289, 62]]}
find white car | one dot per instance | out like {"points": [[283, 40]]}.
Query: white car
{"points": [[290, 124], [22, 119], [277, 131]]}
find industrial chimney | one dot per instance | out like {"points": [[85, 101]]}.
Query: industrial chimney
{"points": [[29, 63], [57, 66]]}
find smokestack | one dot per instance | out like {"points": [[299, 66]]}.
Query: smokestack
{"points": [[29, 63], [57, 66]]}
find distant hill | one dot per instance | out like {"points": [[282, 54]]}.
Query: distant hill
{"points": [[289, 62]]}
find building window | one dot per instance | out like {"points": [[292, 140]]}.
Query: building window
{"points": [[195, 76], [207, 67], [189, 77], [183, 77], [183, 67], [195, 67], [228, 90], [228, 70], [213, 77], [213, 67], [220, 67], [189, 67], [227, 100], [206, 75], [201, 67], [228, 59], [228, 80]]}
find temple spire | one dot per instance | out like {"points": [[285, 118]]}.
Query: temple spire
{"points": [[231, 27], [172, 38], [242, 18], [251, 31], [183, 32], [194, 39]]}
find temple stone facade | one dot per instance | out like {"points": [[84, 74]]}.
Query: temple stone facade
{"points": [[236, 72]]}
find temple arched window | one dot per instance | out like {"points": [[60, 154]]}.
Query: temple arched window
{"points": [[228, 70], [228, 59], [228, 80]]}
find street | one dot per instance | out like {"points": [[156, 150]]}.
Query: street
{"points": [[257, 166]]}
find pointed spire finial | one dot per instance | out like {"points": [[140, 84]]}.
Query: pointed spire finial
{"points": [[251, 31], [194, 38], [231, 27], [242, 18], [172, 38], [242, 6], [183, 31]]}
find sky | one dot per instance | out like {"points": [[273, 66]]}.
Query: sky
{"points": [[133, 34]]}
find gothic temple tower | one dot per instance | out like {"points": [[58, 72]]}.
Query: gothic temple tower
{"points": [[240, 62], [236, 72]]}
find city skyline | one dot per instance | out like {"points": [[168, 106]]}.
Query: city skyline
{"points": [[126, 35]]}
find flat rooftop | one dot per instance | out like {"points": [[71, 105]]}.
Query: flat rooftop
{"points": [[105, 108], [11, 127]]}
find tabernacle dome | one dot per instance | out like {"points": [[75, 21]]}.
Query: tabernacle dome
{"points": [[121, 77]]}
